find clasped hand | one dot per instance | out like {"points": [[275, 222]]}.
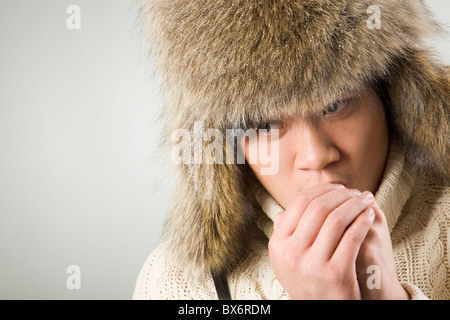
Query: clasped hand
{"points": [[325, 241]]}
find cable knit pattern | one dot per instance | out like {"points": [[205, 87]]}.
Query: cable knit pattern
{"points": [[162, 279], [418, 215]]}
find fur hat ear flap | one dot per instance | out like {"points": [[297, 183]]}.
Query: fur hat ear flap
{"points": [[419, 91], [207, 223]]}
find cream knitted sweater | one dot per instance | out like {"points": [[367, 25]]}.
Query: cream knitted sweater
{"points": [[418, 215]]}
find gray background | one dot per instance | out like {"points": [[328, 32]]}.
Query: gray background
{"points": [[81, 179]]}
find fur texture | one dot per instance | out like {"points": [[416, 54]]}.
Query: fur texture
{"points": [[233, 63]]}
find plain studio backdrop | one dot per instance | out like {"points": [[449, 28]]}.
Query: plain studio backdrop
{"points": [[84, 188]]}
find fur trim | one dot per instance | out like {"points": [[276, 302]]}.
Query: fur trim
{"points": [[232, 63], [419, 90]]}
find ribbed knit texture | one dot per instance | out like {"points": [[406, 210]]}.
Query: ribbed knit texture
{"points": [[418, 215]]}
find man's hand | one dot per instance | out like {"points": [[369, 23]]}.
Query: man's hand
{"points": [[316, 241], [376, 250], [325, 241]]}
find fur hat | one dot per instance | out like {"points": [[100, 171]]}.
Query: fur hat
{"points": [[227, 64]]}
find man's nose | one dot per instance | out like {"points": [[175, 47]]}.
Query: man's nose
{"points": [[314, 148]]}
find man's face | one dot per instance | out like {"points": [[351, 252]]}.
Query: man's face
{"points": [[348, 145]]}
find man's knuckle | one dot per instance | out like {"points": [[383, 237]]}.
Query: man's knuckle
{"points": [[336, 219], [334, 275], [273, 245], [363, 224], [310, 268], [290, 259], [318, 205]]}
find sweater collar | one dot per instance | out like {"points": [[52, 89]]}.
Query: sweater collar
{"points": [[394, 190]]}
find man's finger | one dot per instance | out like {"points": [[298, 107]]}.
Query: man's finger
{"points": [[288, 220]]}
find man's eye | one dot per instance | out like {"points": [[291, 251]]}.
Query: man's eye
{"points": [[336, 107], [269, 126]]}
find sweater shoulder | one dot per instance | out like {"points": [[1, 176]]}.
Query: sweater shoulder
{"points": [[161, 278], [432, 196], [421, 240], [428, 208]]}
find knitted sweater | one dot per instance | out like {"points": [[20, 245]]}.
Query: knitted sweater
{"points": [[418, 216]]}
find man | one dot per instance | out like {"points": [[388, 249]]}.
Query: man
{"points": [[358, 118]]}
